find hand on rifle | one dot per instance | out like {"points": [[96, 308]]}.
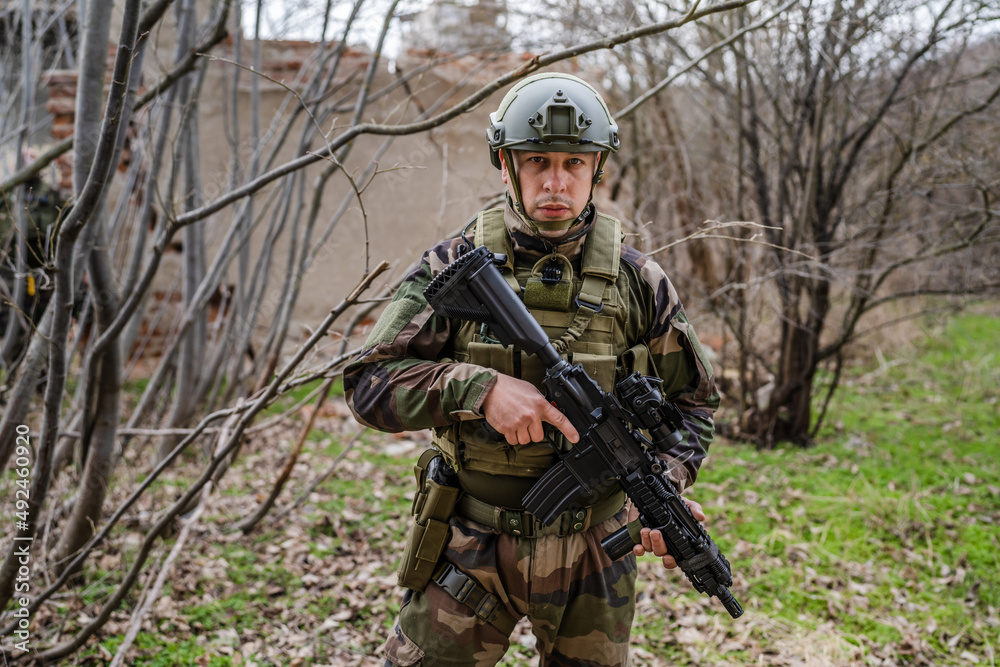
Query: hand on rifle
{"points": [[517, 409], [652, 540]]}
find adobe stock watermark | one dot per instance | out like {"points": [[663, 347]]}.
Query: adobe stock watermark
{"points": [[22, 539]]}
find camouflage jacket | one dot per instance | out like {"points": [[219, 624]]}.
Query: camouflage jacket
{"points": [[400, 383]]}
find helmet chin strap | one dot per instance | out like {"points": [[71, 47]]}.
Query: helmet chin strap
{"points": [[536, 226]]}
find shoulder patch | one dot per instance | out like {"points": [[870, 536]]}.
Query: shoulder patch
{"points": [[395, 317]]}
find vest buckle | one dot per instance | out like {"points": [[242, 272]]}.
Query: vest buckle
{"points": [[583, 303]]}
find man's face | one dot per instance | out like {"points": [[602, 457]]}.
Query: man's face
{"points": [[554, 186]]}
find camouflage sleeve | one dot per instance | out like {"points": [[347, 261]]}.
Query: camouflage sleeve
{"points": [[679, 359], [399, 382]]}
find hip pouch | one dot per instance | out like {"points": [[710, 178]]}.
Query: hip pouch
{"points": [[437, 493]]}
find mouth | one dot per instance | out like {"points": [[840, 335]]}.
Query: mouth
{"points": [[553, 209]]}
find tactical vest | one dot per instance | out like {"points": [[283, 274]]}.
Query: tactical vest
{"points": [[590, 332]]}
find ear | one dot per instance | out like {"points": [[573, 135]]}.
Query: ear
{"points": [[503, 168]]}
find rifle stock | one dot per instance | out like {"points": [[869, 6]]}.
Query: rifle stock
{"points": [[471, 288], [612, 445]]}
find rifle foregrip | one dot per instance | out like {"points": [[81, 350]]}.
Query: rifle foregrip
{"points": [[619, 543]]}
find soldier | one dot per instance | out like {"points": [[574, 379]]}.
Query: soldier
{"points": [[44, 206], [477, 562]]}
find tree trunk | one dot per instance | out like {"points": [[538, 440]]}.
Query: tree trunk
{"points": [[29, 373], [11, 347], [193, 340], [103, 430], [97, 172]]}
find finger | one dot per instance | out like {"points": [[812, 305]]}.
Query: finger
{"points": [[696, 509], [559, 420], [638, 551], [536, 431], [669, 562], [647, 542], [659, 546]]}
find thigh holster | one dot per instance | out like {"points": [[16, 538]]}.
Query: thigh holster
{"points": [[437, 493]]}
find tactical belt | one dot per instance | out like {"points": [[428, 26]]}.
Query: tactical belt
{"points": [[469, 592], [522, 523]]}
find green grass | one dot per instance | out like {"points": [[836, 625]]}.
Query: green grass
{"points": [[878, 543], [154, 653], [888, 526], [220, 610]]}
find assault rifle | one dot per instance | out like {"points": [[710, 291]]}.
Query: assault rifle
{"points": [[611, 444]]}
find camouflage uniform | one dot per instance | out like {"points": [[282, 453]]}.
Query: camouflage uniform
{"points": [[44, 208], [580, 603]]}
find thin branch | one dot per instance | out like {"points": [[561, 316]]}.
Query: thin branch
{"points": [[694, 62], [153, 593], [319, 480], [282, 84], [465, 106], [715, 225], [150, 17], [208, 474]]}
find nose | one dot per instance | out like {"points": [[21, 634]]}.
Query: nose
{"points": [[555, 178]]}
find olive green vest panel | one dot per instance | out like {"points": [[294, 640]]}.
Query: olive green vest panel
{"points": [[595, 340]]}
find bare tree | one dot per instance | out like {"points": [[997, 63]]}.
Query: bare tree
{"points": [[120, 245], [95, 161], [19, 231], [843, 130]]}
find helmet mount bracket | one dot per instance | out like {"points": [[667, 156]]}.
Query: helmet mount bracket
{"points": [[560, 119]]}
